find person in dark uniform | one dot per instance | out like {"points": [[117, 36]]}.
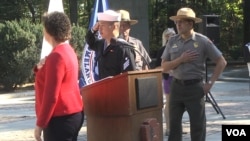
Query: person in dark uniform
{"points": [[186, 54], [114, 56]]}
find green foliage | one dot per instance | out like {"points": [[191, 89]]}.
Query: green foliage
{"points": [[85, 10], [231, 20], [18, 53], [231, 24], [236, 52], [12, 9], [20, 45], [78, 39]]}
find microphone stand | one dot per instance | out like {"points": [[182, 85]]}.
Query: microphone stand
{"points": [[209, 97], [144, 59], [131, 46]]}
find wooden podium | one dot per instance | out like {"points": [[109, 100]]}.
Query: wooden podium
{"points": [[117, 106]]}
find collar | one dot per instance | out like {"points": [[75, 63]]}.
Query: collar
{"points": [[192, 37]]}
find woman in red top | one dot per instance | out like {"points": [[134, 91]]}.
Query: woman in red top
{"points": [[58, 101]]}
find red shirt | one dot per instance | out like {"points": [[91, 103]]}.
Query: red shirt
{"points": [[56, 86]]}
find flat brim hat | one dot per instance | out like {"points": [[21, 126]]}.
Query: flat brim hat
{"points": [[109, 15], [125, 17], [186, 13]]}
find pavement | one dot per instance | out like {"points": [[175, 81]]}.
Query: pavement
{"points": [[231, 94]]}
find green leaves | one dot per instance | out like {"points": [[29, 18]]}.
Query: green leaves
{"points": [[18, 53], [20, 49]]}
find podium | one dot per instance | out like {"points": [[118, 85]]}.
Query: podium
{"points": [[116, 107]]}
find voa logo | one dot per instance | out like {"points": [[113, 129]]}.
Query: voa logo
{"points": [[239, 132], [236, 132]]}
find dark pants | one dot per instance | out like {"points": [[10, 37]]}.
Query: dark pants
{"points": [[191, 99], [64, 128]]}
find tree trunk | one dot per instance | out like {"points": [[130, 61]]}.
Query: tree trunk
{"points": [[172, 10], [246, 30], [246, 21], [32, 9], [73, 10], [45, 5]]}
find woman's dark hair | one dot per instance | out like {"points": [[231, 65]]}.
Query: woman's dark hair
{"points": [[57, 24]]}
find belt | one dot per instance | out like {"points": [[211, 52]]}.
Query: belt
{"points": [[187, 82]]}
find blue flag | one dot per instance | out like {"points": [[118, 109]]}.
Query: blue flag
{"points": [[89, 70]]}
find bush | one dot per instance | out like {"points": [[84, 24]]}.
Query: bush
{"points": [[20, 45], [78, 39], [18, 53], [235, 52]]}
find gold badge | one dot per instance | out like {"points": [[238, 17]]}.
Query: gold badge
{"points": [[196, 44], [135, 46], [174, 46]]}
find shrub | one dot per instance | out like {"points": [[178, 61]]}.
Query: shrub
{"points": [[235, 52], [18, 48], [78, 39]]}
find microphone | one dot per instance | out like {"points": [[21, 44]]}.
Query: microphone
{"points": [[121, 41]]}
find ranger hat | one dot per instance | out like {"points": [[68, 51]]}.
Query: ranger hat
{"points": [[125, 16], [186, 13]]}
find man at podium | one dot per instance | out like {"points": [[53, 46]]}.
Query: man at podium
{"points": [[113, 55]]}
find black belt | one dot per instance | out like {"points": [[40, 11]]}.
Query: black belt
{"points": [[187, 82]]}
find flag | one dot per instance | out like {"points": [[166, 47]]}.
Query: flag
{"points": [[89, 70], [54, 5]]}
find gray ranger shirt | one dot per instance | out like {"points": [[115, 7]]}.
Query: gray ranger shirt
{"points": [[199, 43]]}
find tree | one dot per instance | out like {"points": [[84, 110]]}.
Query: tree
{"points": [[73, 10], [246, 21], [11, 10], [17, 53], [246, 30]]}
